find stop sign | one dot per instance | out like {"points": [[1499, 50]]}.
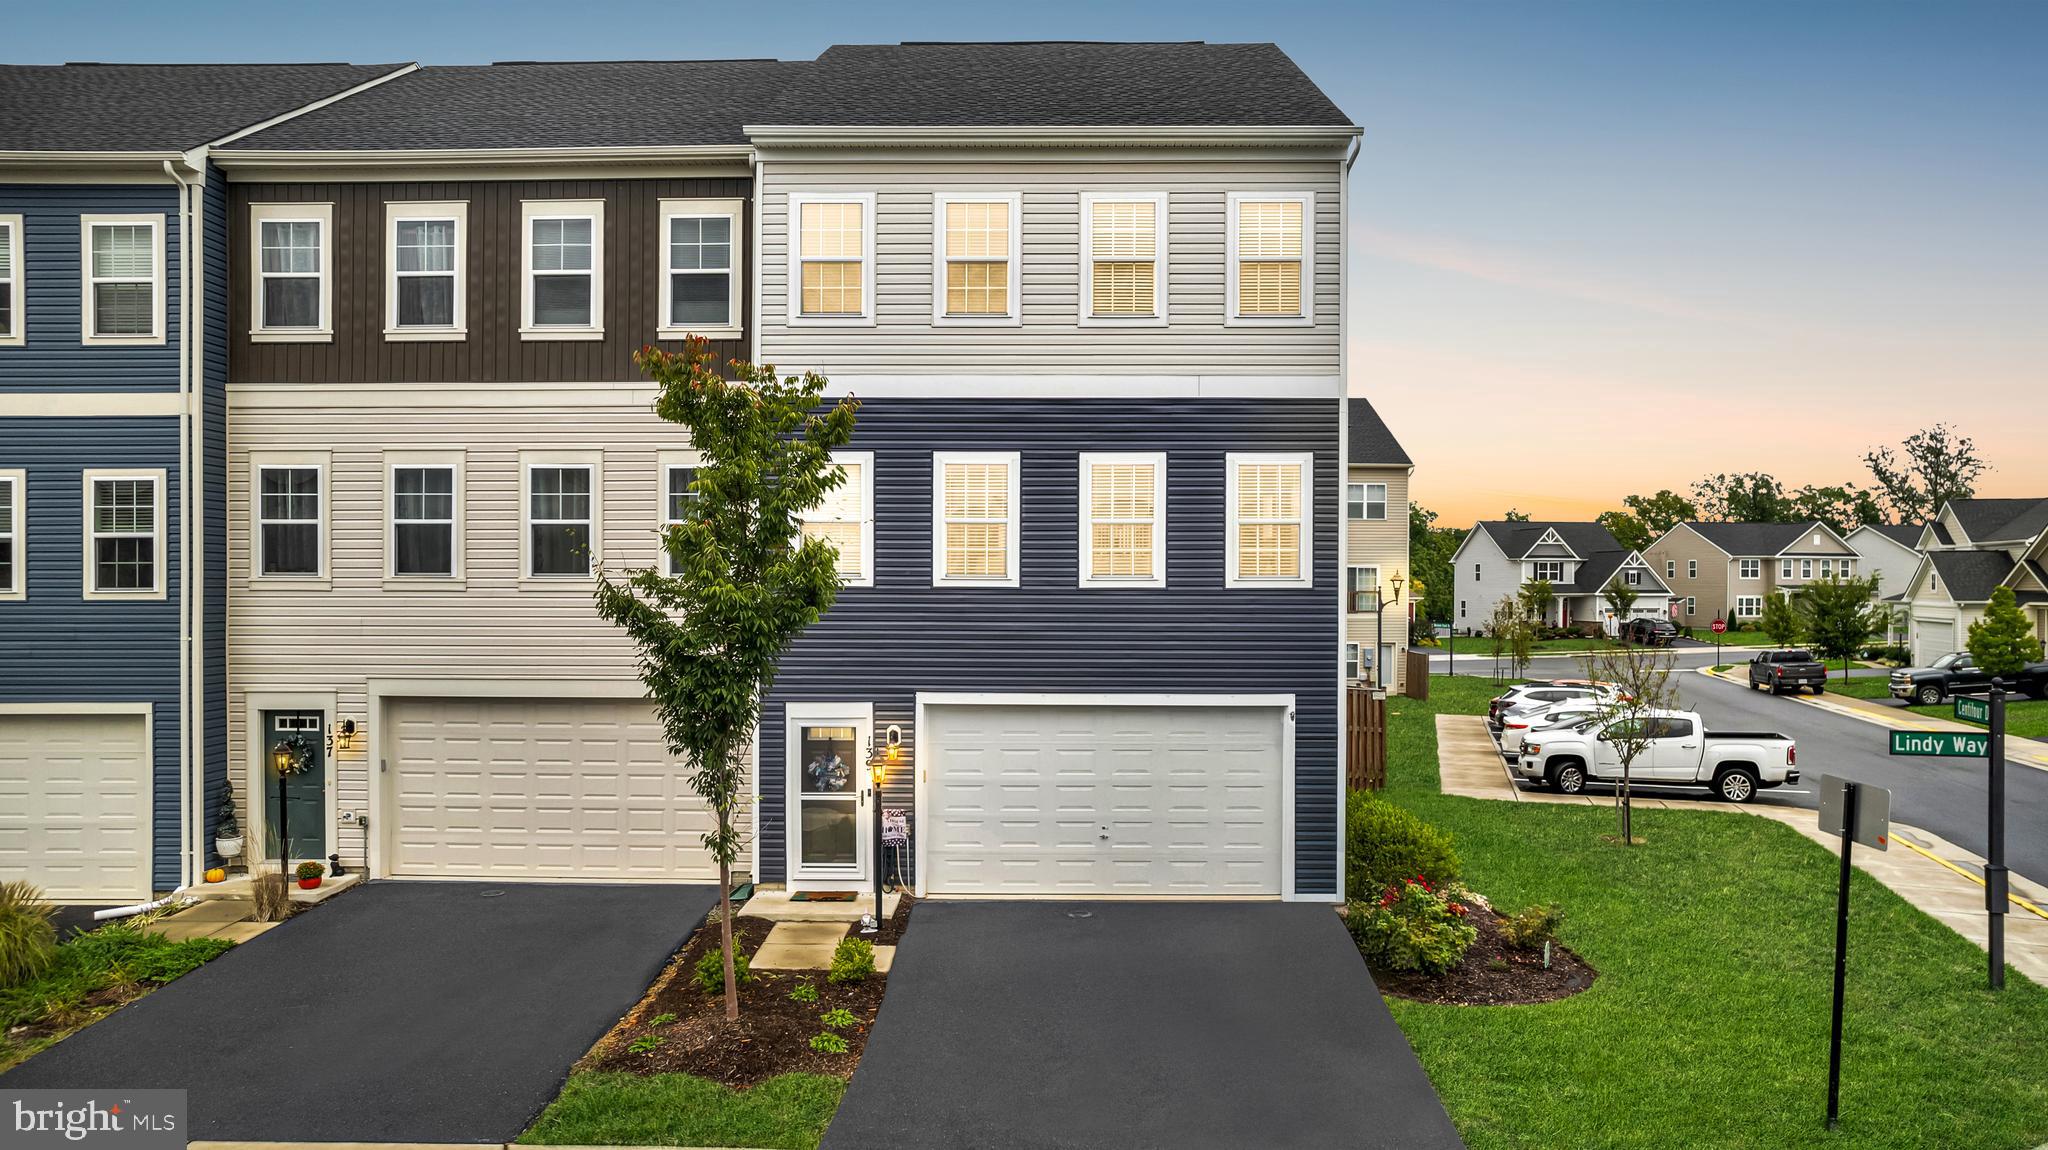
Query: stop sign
{"points": [[1720, 626]]}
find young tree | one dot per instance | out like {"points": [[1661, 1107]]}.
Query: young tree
{"points": [[746, 581], [1621, 599], [1837, 617], [1779, 620], [1512, 636], [1938, 465], [1641, 689], [1628, 530], [1538, 596], [2003, 641]]}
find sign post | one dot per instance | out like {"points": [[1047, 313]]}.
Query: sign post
{"points": [[1995, 895], [1720, 627], [1859, 814]]}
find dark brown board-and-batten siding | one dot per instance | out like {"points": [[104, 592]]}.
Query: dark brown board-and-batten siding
{"points": [[492, 351]]}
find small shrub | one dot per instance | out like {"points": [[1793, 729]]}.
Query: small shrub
{"points": [[28, 941], [806, 992], [1384, 844], [853, 960], [829, 1043], [837, 1018], [1530, 927], [663, 1019], [310, 870], [644, 1043], [1413, 926], [271, 890], [710, 972]]}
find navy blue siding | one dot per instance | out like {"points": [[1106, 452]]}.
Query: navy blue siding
{"points": [[884, 644], [56, 646], [213, 224], [53, 357]]}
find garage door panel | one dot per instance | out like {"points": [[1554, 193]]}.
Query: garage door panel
{"points": [[75, 805]]}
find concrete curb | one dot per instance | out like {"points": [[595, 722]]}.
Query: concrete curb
{"points": [[2025, 752], [419, 1146]]}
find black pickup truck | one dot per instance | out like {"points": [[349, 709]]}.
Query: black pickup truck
{"points": [[1958, 674], [1787, 669]]}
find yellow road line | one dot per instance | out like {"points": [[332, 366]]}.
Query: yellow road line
{"points": [[1966, 874]]}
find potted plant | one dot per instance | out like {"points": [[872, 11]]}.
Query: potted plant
{"points": [[309, 875], [227, 833]]}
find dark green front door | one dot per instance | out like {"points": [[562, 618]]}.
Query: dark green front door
{"points": [[295, 751]]}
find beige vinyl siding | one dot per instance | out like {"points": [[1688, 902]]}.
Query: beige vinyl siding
{"points": [[1715, 588], [487, 626], [1051, 339], [1381, 543]]}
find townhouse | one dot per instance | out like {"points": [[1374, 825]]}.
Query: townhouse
{"points": [[113, 314], [1726, 570], [1971, 548], [1379, 595], [1095, 508], [1580, 561]]}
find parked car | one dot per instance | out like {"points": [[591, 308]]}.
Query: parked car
{"points": [[1518, 725], [1650, 632], [1958, 674], [1681, 753], [1545, 692], [1787, 669]]}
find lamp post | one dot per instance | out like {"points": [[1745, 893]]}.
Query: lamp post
{"points": [[878, 773], [1396, 580]]}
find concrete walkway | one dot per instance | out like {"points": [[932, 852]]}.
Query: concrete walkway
{"points": [[1925, 869], [2029, 752]]}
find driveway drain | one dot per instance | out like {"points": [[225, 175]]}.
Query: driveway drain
{"points": [[1080, 914], [491, 894]]}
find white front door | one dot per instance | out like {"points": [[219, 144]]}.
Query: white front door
{"points": [[829, 791], [75, 805]]}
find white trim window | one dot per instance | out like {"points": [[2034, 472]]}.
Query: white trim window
{"points": [[13, 535], [426, 270], [1361, 587], [1671, 568], [976, 509], [1123, 520], [559, 509], [677, 474], [832, 259], [975, 245], [1806, 568], [1353, 672], [1827, 568], [12, 274], [1749, 606], [1749, 569], [1271, 258], [290, 250], [290, 520], [1633, 576], [124, 280], [425, 518], [1268, 541], [1365, 500], [1692, 604], [700, 282], [124, 534], [1692, 569], [845, 518], [1123, 265], [561, 281], [1846, 568], [1784, 568], [1551, 569]]}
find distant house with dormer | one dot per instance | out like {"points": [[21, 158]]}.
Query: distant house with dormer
{"points": [[1580, 560], [1973, 547]]}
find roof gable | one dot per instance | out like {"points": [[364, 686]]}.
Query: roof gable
{"points": [[158, 107], [1971, 576], [1999, 520], [1758, 540], [1369, 440]]}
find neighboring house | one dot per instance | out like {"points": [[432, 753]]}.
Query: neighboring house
{"points": [[1969, 550], [113, 312], [1891, 553], [1376, 550], [1580, 560], [1726, 570]]}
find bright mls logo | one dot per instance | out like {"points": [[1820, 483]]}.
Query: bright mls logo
{"points": [[129, 1119]]}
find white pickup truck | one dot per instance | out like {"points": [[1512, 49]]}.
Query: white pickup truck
{"points": [[1681, 753]]}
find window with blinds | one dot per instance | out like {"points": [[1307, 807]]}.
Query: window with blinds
{"points": [[122, 523], [1268, 505], [1269, 258], [10, 535], [842, 519], [978, 258], [1123, 255], [122, 275], [832, 252], [291, 268], [976, 505], [10, 281], [425, 269], [1123, 520]]}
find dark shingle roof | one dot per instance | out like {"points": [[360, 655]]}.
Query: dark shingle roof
{"points": [[1371, 442], [1584, 539], [633, 103], [156, 107], [1752, 539], [1994, 519], [1903, 534], [1970, 576]]}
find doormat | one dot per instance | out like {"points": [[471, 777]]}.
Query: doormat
{"points": [[824, 896]]}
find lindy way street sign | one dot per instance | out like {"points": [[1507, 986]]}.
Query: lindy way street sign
{"points": [[1973, 710], [1946, 744]]}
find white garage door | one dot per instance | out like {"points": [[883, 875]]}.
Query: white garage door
{"points": [[1932, 638], [539, 789], [75, 805], [1103, 800]]}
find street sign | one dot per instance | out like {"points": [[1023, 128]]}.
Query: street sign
{"points": [[1873, 811], [1720, 626], [1973, 710], [1942, 744]]}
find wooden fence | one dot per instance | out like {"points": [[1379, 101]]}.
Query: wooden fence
{"points": [[1365, 742]]}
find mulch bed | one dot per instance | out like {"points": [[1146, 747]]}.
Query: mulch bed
{"points": [[772, 1036], [892, 928], [1493, 973]]}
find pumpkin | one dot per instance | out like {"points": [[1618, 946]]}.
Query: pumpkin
{"points": [[217, 874]]}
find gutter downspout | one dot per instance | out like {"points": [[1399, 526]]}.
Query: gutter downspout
{"points": [[1343, 479], [754, 304], [191, 818]]}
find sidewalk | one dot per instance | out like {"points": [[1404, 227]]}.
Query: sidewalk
{"points": [[2030, 752], [1927, 870]]}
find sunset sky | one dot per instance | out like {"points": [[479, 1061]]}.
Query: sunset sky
{"points": [[1597, 248]]}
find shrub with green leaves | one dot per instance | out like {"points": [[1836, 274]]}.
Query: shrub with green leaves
{"points": [[28, 942], [829, 1043], [1384, 845], [1532, 926], [853, 960], [710, 971], [1413, 926], [838, 1018], [805, 992]]}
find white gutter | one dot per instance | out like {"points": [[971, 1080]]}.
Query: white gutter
{"points": [[1011, 135], [386, 157], [187, 758], [754, 327]]}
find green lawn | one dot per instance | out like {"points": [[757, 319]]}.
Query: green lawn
{"points": [[1733, 638], [1480, 645], [2027, 718], [1708, 1025], [94, 974], [785, 1113]]}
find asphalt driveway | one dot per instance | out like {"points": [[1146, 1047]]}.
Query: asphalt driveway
{"points": [[399, 1012], [1121, 1024]]}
